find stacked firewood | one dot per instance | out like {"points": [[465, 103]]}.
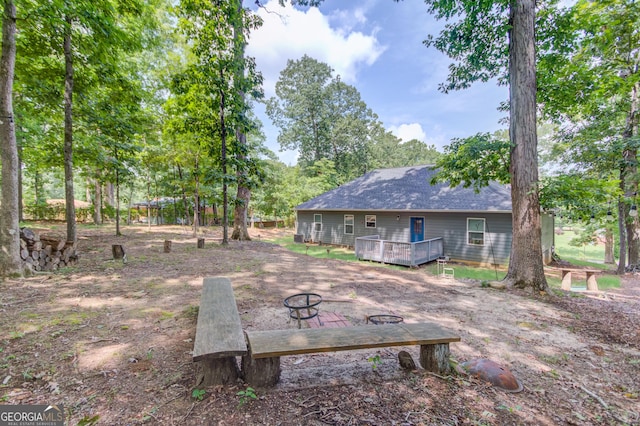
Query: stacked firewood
{"points": [[43, 253]]}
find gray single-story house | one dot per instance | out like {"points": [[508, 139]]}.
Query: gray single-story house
{"points": [[401, 206]]}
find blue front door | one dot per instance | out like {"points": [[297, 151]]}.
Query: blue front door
{"points": [[417, 229]]}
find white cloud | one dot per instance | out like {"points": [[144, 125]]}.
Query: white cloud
{"points": [[349, 19], [289, 33], [406, 132]]}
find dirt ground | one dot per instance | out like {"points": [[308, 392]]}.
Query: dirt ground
{"points": [[112, 341]]}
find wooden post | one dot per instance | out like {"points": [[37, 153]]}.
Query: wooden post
{"points": [[435, 358], [118, 251], [592, 284], [261, 372], [219, 371], [566, 280], [167, 246], [200, 242]]}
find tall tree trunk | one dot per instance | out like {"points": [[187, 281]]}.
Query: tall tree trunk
{"points": [[97, 200], [609, 257], [243, 194], [240, 231], [622, 241], [184, 196], [118, 233], [175, 203], [196, 206], [225, 195], [109, 194], [10, 262], [20, 194], [130, 204], [159, 213], [525, 265], [148, 202], [633, 240], [70, 213], [631, 222], [631, 174]]}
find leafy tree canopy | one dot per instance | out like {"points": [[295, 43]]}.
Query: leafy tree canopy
{"points": [[475, 161], [322, 117]]}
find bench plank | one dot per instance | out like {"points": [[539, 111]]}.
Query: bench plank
{"points": [[275, 343], [219, 330]]}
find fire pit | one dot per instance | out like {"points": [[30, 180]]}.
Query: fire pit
{"points": [[303, 306], [384, 319]]}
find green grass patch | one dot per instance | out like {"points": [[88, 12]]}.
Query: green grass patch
{"points": [[37, 224], [589, 256], [165, 315], [190, 312], [606, 282], [554, 282], [470, 272], [76, 318], [315, 250], [16, 335], [587, 264], [590, 253], [325, 251]]}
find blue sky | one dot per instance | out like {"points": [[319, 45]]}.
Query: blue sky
{"points": [[377, 47]]}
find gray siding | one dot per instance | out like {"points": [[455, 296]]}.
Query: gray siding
{"points": [[452, 227], [387, 226], [548, 237]]}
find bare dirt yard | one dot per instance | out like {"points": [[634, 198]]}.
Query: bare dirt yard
{"points": [[112, 341]]}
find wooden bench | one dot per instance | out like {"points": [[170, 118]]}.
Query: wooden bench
{"points": [[592, 284], [261, 366], [219, 337]]}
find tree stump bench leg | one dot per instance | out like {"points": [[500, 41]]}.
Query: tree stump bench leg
{"points": [[435, 358], [200, 243], [167, 246], [566, 280], [592, 284], [261, 372], [219, 371]]}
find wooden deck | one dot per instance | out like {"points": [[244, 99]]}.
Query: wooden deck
{"points": [[398, 253]]}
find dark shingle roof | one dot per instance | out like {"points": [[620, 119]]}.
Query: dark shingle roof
{"points": [[408, 188]]}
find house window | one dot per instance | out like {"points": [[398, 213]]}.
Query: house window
{"points": [[475, 231], [370, 221], [348, 224], [317, 222]]}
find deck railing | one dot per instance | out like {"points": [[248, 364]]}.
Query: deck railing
{"points": [[398, 253]]}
